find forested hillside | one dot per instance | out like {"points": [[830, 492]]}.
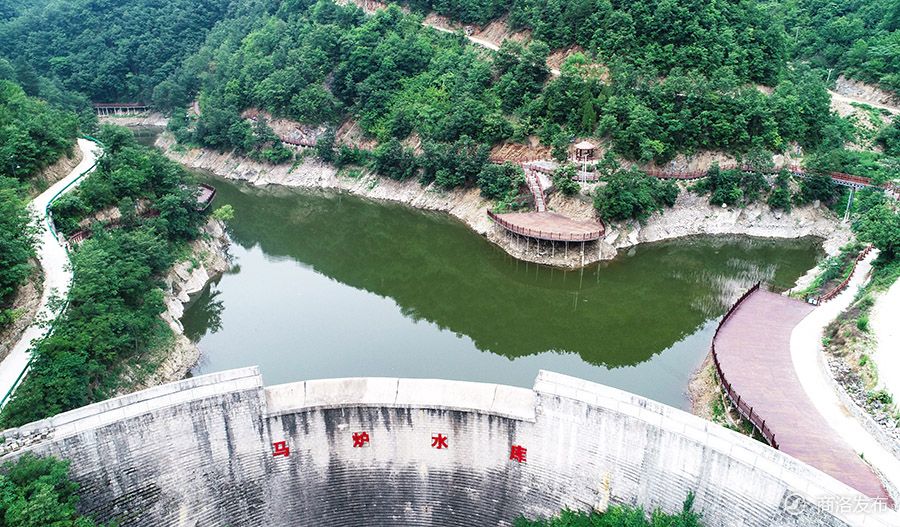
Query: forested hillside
{"points": [[112, 320], [860, 38], [33, 134], [16, 245], [321, 63], [693, 35], [107, 50]]}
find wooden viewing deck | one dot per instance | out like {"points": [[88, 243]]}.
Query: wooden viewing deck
{"points": [[752, 355], [549, 226]]}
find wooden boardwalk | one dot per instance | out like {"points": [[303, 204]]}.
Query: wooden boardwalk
{"points": [[549, 226], [753, 350]]}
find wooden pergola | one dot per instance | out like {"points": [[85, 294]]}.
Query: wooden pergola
{"points": [[584, 151]]}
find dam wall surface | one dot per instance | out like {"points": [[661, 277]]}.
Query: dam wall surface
{"points": [[223, 450]]}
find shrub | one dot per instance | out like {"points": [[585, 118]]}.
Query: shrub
{"points": [[620, 516], [880, 396], [631, 194], [37, 491], [394, 160], [500, 182], [224, 213], [564, 180]]}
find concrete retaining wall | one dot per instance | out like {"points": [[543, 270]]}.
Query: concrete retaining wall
{"points": [[200, 453]]}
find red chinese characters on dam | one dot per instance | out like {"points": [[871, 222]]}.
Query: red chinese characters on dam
{"points": [[360, 439], [280, 448], [439, 441], [517, 453]]}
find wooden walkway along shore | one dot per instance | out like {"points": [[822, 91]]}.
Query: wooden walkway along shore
{"points": [[752, 350]]}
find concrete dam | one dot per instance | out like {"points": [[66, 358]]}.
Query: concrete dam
{"points": [[225, 450]]}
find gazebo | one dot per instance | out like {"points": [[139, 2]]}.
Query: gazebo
{"points": [[584, 151]]}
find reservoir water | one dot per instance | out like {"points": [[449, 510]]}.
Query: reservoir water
{"points": [[330, 285]]}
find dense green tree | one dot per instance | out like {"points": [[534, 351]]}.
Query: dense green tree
{"points": [[817, 187], [631, 194], [32, 133], [16, 243], [325, 146], [668, 92], [880, 225], [112, 319], [501, 182], [394, 160], [37, 492], [889, 138], [731, 187], [454, 164], [111, 51], [858, 38], [780, 197]]}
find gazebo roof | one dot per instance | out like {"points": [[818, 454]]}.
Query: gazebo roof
{"points": [[585, 145]]}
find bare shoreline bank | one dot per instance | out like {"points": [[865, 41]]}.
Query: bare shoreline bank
{"points": [[691, 216], [186, 279]]}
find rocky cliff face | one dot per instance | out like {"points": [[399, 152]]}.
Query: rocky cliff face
{"points": [[692, 214]]}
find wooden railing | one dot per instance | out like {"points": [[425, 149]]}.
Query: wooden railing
{"points": [[662, 174], [843, 285], [546, 235], [743, 408]]}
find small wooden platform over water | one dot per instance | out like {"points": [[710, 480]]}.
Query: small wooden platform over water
{"points": [[549, 226]]}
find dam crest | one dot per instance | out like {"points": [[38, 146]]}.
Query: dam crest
{"points": [[224, 450]]}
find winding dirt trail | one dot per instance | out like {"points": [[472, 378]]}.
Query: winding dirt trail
{"points": [[57, 275]]}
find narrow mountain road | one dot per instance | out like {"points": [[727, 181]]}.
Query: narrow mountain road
{"points": [[57, 275], [809, 364]]}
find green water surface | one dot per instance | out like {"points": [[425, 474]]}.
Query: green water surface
{"points": [[334, 286]]}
